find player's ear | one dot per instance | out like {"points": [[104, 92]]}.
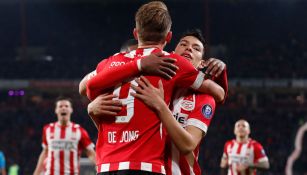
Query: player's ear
{"points": [[135, 33], [169, 37]]}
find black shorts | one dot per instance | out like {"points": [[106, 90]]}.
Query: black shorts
{"points": [[129, 172]]}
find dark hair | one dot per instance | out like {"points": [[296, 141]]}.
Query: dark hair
{"points": [[153, 22], [127, 44], [60, 98], [197, 34]]}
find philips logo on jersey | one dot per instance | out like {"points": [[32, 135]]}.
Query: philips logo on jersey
{"points": [[116, 63], [63, 145], [207, 111]]}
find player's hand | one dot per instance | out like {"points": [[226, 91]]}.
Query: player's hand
{"points": [[104, 106], [215, 67], [153, 97], [156, 64], [241, 167]]}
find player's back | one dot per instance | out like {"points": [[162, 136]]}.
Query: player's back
{"points": [[135, 139]]}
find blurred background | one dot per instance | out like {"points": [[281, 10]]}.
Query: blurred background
{"points": [[47, 46]]}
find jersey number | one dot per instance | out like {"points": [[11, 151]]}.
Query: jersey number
{"points": [[125, 90]]}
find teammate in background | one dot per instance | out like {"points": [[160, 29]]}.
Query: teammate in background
{"points": [[125, 142], [2, 164], [243, 155], [63, 142]]}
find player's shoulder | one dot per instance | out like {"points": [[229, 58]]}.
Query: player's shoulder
{"points": [[75, 125], [49, 125], [255, 143], [205, 97], [230, 142]]}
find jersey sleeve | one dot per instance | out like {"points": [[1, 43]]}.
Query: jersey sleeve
{"points": [[44, 139], [222, 80], [203, 113], [85, 141], [2, 160], [225, 153], [102, 81], [187, 76], [259, 153]]}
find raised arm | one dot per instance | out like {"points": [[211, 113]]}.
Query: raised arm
{"points": [[212, 88], [153, 64]]}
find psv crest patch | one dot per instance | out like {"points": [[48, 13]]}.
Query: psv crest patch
{"points": [[207, 111]]}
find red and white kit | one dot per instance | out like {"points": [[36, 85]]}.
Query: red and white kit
{"points": [[189, 109], [247, 153], [135, 139], [65, 144]]}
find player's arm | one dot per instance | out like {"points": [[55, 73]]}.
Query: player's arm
{"points": [[150, 65], [91, 154], [213, 89], [265, 165], [83, 82], [40, 164], [217, 70], [185, 140], [261, 161], [103, 106], [87, 145], [224, 161]]}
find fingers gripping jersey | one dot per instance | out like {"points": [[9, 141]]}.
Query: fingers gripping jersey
{"points": [[247, 153], [134, 139], [189, 109], [65, 145]]}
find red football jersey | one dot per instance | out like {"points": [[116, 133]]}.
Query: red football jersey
{"points": [[135, 139], [65, 144], [248, 153], [190, 109]]}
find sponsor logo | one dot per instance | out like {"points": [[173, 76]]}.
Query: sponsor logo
{"points": [[187, 105], [117, 63], [63, 145]]}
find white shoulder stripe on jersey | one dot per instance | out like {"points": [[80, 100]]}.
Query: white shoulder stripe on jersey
{"points": [[263, 159], [90, 146], [198, 124], [199, 80]]}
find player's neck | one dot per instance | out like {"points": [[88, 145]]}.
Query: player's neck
{"points": [[151, 45], [64, 123], [242, 139]]}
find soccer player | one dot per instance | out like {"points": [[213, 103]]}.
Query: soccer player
{"points": [[2, 164], [63, 142], [125, 143], [243, 155], [191, 112]]}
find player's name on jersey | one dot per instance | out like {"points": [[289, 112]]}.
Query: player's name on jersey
{"points": [[123, 137]]}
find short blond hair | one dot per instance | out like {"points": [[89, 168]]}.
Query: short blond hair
{"points": [[153, 22]]}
